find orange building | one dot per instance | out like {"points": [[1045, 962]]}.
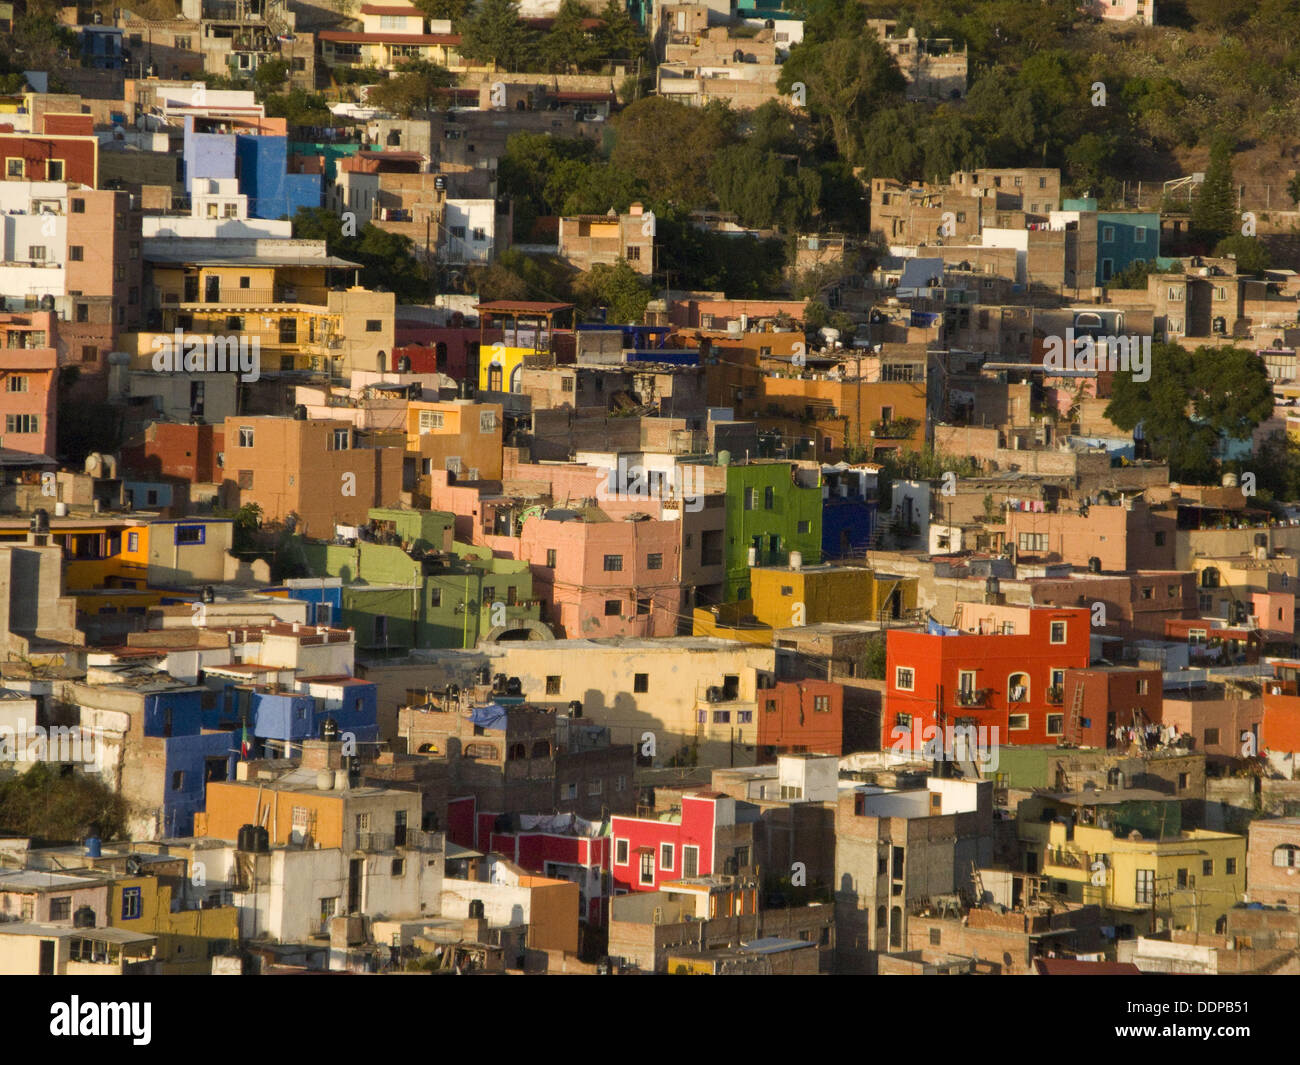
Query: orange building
{"points": [[324, 471]]}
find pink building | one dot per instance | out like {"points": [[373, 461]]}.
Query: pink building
{"points": [[1143, 11], [605, 576], [29, 360]]}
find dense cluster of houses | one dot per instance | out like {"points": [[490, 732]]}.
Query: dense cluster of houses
{"points": [[466, 635]]}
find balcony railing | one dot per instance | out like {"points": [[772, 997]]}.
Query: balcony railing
{"points": [[974, 696], [1056, 694], [314, 295], [408, 838]]}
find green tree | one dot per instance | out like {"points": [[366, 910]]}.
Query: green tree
{"points": [[815, 315], [270, 77], [764, 189], [1293, 188], [494, 34], [619, 37], [1214, 211], [845, 81], [567, 46], [648, 141], [44, 804], [620, 289], [300, 108], [387, 260], [413, 88], [453, 10], [1251, 253], [1190, 401]]}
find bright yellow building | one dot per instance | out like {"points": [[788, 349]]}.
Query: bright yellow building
{"points": [[813, 595], [1133, 857], [186, 939]]}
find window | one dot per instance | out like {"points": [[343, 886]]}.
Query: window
{"points": [[1017, 722], [245, 479], [749, 499], [744, 717], [76, 253], [654, 561], [190, 534], [904, 678], [613, 563], [178, 780], [14, 169], [803, 527], [36, 252], [903, 720], [647, 866], [690, 861], [934, 937], [1230, 866], [550, 557], [89, 353], [1033, 541], [1207, 867], [1211, 736], [61, 908], [1145, 891], [1058, 632], [342, 439], [769, 497], [1176, 294], [640, 682], [83, 312], [1108, 234], [821, 704], [666, 856], [131, 903], [133, 541], [17, 383], [722, 717], [487, 421], [22, 423], [381, 629], [374, 325], [245, 436], [1286, 856], [620, 852], [1055, 724]]}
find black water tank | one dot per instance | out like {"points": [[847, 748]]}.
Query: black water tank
{"points": [[476, 909], [300, 413], [514, 686], [575, 708], [1094, 564], [261, 839], [84, 917], [40, 520], [329, 730], [209, 595], [404, 364], [244, 841]]}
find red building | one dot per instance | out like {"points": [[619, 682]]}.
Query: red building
{"points": [[187, 452], [800, 717], [73, 158], [1000, 666], [560, 846], [697, 841], [1113, 697]]}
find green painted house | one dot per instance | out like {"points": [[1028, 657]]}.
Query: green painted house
{"points": [[413, 586], [774, 507]]}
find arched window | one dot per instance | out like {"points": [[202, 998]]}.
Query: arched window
{"points": [[1209, 577], [882, 927], [1018, 688], [486, 751], [517, 750], [896, 927], [1286, 856]]}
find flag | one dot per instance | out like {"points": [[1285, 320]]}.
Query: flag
{"points": [[245, 748]]}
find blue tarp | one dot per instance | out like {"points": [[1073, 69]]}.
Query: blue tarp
{"points": [[935, 629], [492, 716]]}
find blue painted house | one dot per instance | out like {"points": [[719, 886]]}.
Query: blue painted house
{"points": [[848, 510]]}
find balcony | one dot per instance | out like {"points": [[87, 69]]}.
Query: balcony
{"points": [[1056, 695], [407, 839], [1067, 858], [974, 697], [311, 295]]}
